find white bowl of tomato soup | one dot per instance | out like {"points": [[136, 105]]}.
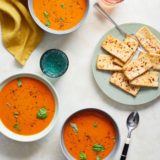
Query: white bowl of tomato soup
{"points": [[90, 134], [29, 107], [59, 17]]}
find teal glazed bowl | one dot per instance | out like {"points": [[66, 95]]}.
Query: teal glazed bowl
{"points": [[117, 142], [54, 63]]}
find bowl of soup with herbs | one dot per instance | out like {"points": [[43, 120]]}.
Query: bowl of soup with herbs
{"points": [[29, 107], [90, 134], [59, 17]]}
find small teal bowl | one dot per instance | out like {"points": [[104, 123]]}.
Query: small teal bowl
{"points": [[54, 63]]}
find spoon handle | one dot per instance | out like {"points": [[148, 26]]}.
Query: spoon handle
{"points": [[125, 149], [99, 8]]}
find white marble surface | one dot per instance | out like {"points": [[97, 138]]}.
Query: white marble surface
{"points": [[77, 88]]}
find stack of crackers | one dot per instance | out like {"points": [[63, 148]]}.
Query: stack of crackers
{"points": [[132, 75]]}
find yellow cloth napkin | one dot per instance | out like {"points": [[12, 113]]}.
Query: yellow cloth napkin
{"points": [[20, 34]]}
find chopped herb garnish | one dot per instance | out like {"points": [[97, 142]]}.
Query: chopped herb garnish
{"points": [[61, 19], [98, 148], [114, 139], [99, 157], [42, 113], [16, 126], [74, 126], [16, 115], [9, 105], [82, 156], [63, 5], [46, 14], [95, 125], [19, 83], [48, 23]]}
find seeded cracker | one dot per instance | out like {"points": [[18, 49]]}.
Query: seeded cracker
{"points": [[148, 79], [155, 59], [131, 43], [137, 67], [105, 62], [117, 48], [149, 42], [122, 82]]}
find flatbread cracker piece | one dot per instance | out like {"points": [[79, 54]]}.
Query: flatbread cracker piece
{"points": [[117, 48], [122, 82], [131, 43], [105, 62], [148, 79], [149, 42], [119, 62], [137, 67], [155, 59]]}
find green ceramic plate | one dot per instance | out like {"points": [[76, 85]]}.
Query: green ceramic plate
{"points": [[102, 77]]}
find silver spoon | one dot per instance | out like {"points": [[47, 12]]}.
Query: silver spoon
{"points": [[99, 8], [132, 123]]}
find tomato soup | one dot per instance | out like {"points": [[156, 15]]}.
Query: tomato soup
{"points": [[27, 106], [89, 134], [59, 14]]}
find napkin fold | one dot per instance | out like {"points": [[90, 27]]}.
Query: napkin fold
{"points": [[20, 34]]}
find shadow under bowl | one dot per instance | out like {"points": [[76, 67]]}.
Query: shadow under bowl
{"points": [[117, 142]]}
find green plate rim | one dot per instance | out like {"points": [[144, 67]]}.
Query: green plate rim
{"points": [[96, 78]]}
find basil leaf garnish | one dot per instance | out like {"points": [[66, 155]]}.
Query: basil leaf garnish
{"points": [[82, 156], [74, 126], [42, 113], [114, 139], [48, 23], [95, 125], [19, 83], [99, 157], [61, 19], [9, 105], [16, 126], [46, 14], [63, 5], [16, 115], [98, 148]]}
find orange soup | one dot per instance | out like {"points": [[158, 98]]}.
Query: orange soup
{"points": [[61, 14], [89, 135], [27, 106]]}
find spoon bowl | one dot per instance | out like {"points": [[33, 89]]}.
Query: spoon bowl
{"points": [[133, 120]]}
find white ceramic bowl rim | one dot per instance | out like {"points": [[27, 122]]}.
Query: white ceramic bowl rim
{"points": [[40, 135], [39, 23], [117, 144]]}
